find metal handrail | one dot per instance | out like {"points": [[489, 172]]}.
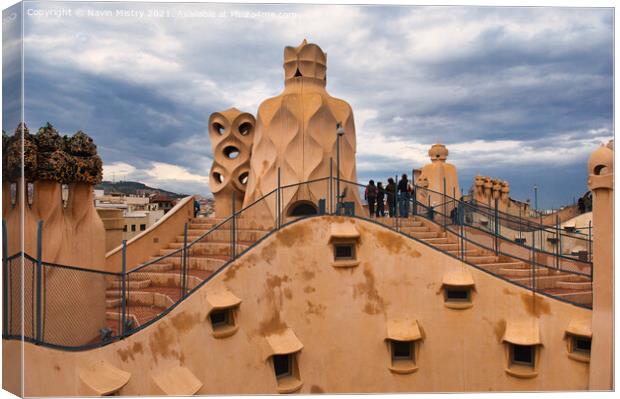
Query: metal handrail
{"points": [[540, 250], [486, 211]]}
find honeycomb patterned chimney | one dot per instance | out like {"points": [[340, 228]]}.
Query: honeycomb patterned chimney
{"points": [[231, 133]]}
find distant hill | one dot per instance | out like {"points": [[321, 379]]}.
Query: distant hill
{"points": [[132, 187]]}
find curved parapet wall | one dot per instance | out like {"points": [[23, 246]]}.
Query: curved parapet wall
{"points": [[141, 247], [231, 133], [289, 295], [562, 215]]}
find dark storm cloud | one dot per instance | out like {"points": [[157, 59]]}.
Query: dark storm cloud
{"points": [[11, 68], [512, 91], [131, 123]]}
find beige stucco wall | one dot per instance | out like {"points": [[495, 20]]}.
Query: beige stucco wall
{"points": [[340, 315], [581, 222], [113, 222]]}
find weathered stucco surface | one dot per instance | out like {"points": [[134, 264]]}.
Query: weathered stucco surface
{"points": [[340, 315]]}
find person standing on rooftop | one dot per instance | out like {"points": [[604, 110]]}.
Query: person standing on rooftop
{"points": [[380, 200], [390, 192], [371, 196], [403, 196]]}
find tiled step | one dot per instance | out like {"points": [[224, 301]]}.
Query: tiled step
{"points": [[153, 299], [438, 240], [426, 234], [481, 259], [223, 235], [217, 246], [466, 252], [200, 249], [413, 229], [575, 285], [543, 281], [495, 267], [409, 223], [583, 297], [450, 246], [113, 302], [240, 223], [142, 298], [168, 279], [199, 262], [130, 284], [538, 272], [161, 266]]}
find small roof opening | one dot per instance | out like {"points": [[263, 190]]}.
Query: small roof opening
{"points": [[303, 208]]}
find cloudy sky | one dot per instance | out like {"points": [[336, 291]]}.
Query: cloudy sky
{"points": [[522, 94]]}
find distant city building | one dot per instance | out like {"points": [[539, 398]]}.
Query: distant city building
{"points": [[164, 202], [138, 213]]}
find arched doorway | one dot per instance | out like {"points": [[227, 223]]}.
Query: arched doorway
{"points": [[303, 208]]}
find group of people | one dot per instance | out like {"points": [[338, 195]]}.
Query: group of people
{"points": [[392, 194]]}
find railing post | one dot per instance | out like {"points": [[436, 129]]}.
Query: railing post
{"points": [[124, 289], [534, 261], [38, 288], [414, 211], [520, 221], [338, 205], [331, 186], [431, 211], [454, 203], [395, 221], [445, 209], [590, 242], [184, 265], [461, 218], [496, 227], [541, 232], [5, 289], [279, 200], [558, 245], [232, 229]]}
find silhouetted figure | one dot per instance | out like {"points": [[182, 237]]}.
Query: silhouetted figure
{"points": [[196, 208], [581, 205], [403, 196], [380, 200], [371, 196], [390, 192], [587, 201]]}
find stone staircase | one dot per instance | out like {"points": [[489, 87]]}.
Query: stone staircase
{"points": [[156, 287], [564, 285]]}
